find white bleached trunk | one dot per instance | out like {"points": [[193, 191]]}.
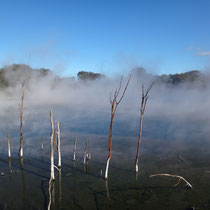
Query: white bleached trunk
{"points": [[138, 146], [85, 155], [137, 167], [9, 150], [21, 152], [59, 145], [107, 168], [75, 147], [52, 174]]}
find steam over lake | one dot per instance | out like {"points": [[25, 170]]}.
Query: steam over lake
{"points": [[175, 141]]}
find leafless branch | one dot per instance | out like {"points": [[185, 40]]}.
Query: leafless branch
{"points": [[176, 176], [124, 89]]}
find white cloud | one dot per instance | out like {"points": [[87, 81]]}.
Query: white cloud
{"points": [[204, 53]]}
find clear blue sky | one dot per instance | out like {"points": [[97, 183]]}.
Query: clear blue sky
{"points": [[107, 36]]}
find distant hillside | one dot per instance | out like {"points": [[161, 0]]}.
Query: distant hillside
{"points": [[13, 75], [17, 73], [190, 77], [174, 79]]}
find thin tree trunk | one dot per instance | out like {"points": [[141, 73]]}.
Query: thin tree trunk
{"points": [[52, 175], [42, 145], [9, 150], [59, 146], [110, 147], [21, 123], [114, 104], [138, 147], [85, 155], [144, 99], [75, 147], [55, 134]]}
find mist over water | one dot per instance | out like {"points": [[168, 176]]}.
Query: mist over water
{"points": [[176, 124], [178, 112], [84, 105]]}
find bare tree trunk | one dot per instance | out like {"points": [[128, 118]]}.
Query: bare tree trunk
{"points": [[55, 134], [9, 150], [42, 145], [138, 147], [110, 147], [88, 151], [75, 147], [52, 175], [144, 99], [85, 155], [114, 104], [21, 123], [59, 146]]}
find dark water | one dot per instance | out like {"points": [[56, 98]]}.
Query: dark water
{"points": [[172, 146], [24, 183]]}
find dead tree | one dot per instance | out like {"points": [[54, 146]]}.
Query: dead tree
{"points": [[42, 145], [86, 153], [59, 145], [52, 174], [55, 134], [144, 100], [114, 104], [21, 122], [9, 150], [74, 150]]}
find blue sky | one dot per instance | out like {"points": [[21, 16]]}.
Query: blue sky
{"points": [[107, 36]]}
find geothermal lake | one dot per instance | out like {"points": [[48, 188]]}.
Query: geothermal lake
{"points": [[173, 147]]}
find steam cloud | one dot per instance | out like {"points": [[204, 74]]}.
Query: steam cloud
{"points": [[173, 112]]}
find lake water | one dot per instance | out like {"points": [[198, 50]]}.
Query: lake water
{"points": [[169, 145], [24, 183]]}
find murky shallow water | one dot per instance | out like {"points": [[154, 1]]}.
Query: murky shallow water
{"points": [[24, 185]]}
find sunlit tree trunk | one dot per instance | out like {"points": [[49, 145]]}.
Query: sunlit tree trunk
{"points": [[9, 149], [114, 104], [75, 147], [59, 145], [52, 175], [85, 155], [21, 123], [144, 99]]}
